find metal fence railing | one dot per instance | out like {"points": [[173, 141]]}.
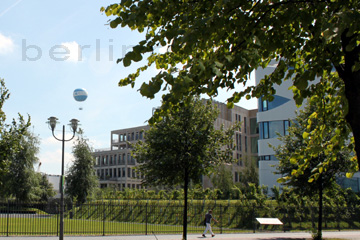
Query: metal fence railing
{"points": [[148, 217]]}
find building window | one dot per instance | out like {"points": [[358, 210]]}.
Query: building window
{"points": [[275, 128], [264, 105], [254, 144], [286, 127], [254, 126], [239, 159], [246, 144], [238, 141], [236, 177], [265, 130], [245, 124], [238, 119]]}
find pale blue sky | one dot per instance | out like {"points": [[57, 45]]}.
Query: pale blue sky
{"points": [[41, 73]]}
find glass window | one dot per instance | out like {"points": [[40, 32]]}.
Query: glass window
{"points": [[254, 144], [246, 144], [286, 127], [245, 124], [265, 130], [276, 127], [254, 127], [264, 105]]}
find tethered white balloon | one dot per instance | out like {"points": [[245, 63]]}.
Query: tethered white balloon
{"points": [[80, 95]]}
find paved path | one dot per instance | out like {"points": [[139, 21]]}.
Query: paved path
{"points": [[355, 235]]}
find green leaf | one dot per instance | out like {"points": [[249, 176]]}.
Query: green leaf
{"points": [[305, 135]]}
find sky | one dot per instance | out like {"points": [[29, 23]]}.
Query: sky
{"points": [[50, 48]]}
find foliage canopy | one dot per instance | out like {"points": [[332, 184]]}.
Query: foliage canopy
{"points": [[216, 44]]}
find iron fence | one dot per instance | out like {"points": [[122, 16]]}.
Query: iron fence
{"points": [[162, 217]]}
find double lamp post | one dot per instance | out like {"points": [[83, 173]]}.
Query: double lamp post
{"points": [[73, 124]]}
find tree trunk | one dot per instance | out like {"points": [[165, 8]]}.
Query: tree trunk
{"points": [[352, 93], [186, 185], [319, 231], [351, 81]]}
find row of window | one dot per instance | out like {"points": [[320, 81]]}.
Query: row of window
{"points": [[267, 158], [125, 172], [238, 142], [116, 159], [134, 136], [121, 186], [273, 128]]}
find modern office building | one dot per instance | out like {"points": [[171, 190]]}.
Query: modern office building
{"points": [[273, 118], [115, 165]]}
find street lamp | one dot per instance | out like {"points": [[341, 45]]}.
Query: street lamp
{"points": [[73, 124]]}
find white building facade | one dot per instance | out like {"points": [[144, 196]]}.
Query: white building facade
{"points": [[273, 118]]}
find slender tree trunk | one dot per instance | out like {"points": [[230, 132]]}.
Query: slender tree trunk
{"points": [[319, 233], [186, 185]]}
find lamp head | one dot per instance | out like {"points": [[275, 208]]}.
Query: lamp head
{"points": [[52, 122], [74, 124]]}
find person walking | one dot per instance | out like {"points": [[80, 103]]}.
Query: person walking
{"points": [[208, 218]]}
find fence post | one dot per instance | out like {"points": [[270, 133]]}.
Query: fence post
{"points": [[221, 228], [7, 218], [253, 218], [57, 220], [146, 217], [104, 219]]}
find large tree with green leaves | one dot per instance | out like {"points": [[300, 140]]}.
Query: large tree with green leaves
{"points": [[310, 164], [20, 181], [19, 147], [81, 180], [183, 146], [213, 44]]}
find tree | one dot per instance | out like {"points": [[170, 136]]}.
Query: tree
{"points": [[20, 180], [223, 179], [217, 44], [81, 180], [249, 175], [307, 165], [183, 147], [10, 134], [45, 189]]}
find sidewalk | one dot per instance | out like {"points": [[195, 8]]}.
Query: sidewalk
{"points": [[355, 235]]}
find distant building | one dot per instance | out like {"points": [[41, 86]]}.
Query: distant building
{"points": [[55, 182], [273, 118], [115, 166]]}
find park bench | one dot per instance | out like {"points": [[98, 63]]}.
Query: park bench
{"points": [[269, 221]]}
